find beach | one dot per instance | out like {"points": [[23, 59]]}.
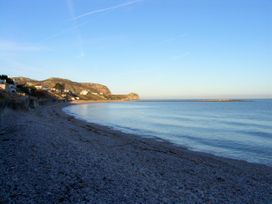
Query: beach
{"points": [[47, 156]]}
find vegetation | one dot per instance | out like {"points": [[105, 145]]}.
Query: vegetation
{"points": [[2, 97], [32, 91], [8, 80], [23, 89], [131, 96], [74, 87], [96, 91], [60, 87], [3, 77]]}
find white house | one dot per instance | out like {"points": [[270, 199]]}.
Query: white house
{"points": [[3, 86], [84, 92], [2, 81], [45, 88], [29, 84], [10, 88], [38, 87]]}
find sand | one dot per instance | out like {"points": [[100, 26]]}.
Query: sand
{"points": [[47, 156]]}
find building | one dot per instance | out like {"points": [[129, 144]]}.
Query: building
{"points": [[38, 87], [2, 81], [11, 88], [84, 92], [29, 84], [45, 88], [3, 87]]}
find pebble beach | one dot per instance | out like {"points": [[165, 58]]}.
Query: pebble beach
{"points": [[47, 156]]}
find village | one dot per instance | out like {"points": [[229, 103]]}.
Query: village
{"points": [[7, 85], [10, 87]]}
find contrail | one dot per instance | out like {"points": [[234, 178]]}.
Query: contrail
{"points": [[74, 18], [62, 32], [71, 8], [106, 9]]}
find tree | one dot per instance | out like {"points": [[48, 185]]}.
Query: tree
{"points": [[59, 87], [3, 77], [23, 89], [9, 81]]}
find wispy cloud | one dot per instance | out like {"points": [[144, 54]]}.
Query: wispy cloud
{"points": [[12, 46], [107, 9], [71, 9], [63, 32], [74, 18]]}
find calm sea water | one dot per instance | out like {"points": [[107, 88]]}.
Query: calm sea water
{"points": [[240, 130]]}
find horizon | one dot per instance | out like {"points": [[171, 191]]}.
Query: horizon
{"points": [[160, 50], [175, 98]]}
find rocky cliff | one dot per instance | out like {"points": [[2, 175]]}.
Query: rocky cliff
{"points": [[125, 97]]}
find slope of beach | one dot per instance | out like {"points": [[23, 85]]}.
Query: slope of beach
{"points": [[47, 156]]}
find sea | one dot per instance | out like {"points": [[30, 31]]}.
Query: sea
{"points": [[239, 130]]}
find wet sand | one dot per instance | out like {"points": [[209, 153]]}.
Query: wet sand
{"points": [[47, 156]]}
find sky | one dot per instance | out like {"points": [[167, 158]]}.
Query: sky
{"points": [[159, 49]]}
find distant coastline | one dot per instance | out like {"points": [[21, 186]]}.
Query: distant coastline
{"points": [[22, 93], [197, 100], [219, 100]]}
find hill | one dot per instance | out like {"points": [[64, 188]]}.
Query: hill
{"points": [[85, 91]]}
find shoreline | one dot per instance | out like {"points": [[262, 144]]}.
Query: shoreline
{"points": [[59, 158], [148, 137], [96, 101]]}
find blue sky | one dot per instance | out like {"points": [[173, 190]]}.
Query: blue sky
{"points": [[157, 48]]}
